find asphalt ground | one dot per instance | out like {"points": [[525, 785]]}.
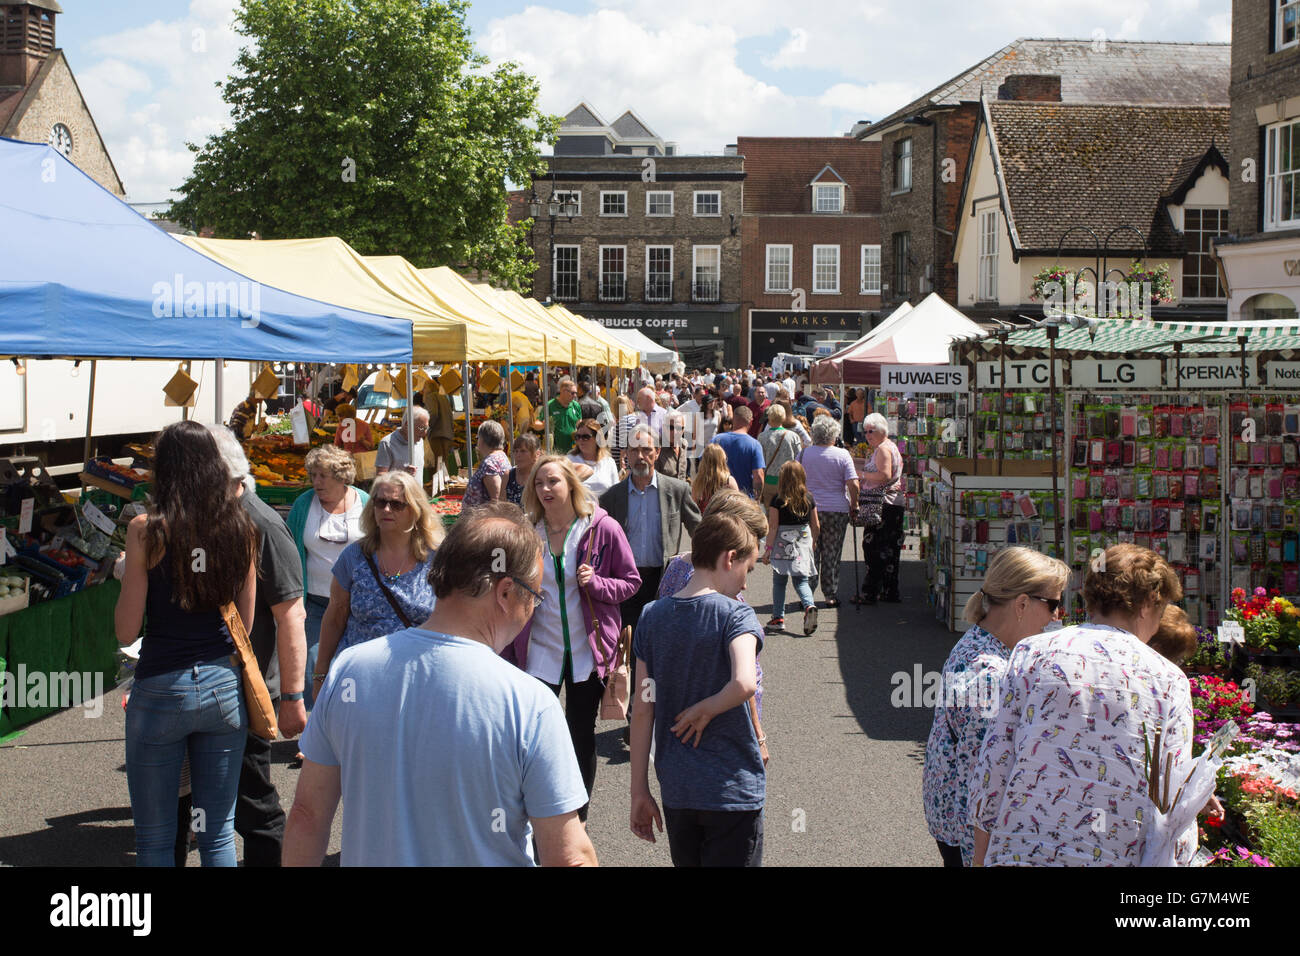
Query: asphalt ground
{"points": [[843, 785]]}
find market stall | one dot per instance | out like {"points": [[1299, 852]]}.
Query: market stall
{"points": [[653, 356], [85, 277]]}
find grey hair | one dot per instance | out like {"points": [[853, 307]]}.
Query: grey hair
{"points": [[644, 430], [824, 429], [233, 455], [492, 434], [417, 410], [878, 422]]}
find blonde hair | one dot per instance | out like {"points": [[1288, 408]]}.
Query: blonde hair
{"points": [[775, 416], [712, 474], [792, 488], [1013, 572], [426, 531], [333, 461], [578, 496], [728, 501]]}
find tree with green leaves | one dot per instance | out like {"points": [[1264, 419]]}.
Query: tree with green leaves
{"points": [[375, 121]]}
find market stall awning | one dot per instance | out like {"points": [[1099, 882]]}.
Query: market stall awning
{"points": [[591, 346], [83, 275], [1129, 336], [655, 357], [920, 336], [620, 356], [832, 364], [331, 269]]}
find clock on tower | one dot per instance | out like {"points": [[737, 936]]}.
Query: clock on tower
{"points": [[61, 139]]}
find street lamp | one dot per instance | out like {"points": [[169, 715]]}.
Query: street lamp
{"points": [[555, 208]]}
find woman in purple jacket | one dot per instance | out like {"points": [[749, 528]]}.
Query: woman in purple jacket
{"points": [[588, 571]]}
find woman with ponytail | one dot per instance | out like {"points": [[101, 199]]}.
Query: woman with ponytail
{"points": [[1020, 597]]}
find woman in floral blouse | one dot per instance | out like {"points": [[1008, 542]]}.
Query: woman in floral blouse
{"points": [[1021, 596], [1060, 779]]}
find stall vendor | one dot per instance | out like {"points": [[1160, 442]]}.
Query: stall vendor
{"points": [[565, 414], [245, 413], [353, 433]]}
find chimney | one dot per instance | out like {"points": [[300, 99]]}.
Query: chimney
{"points": [[26, 39], [731, 150], [1031, 88]]}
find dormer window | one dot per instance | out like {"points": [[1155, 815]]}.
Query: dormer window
{"points": [[828, 197]]}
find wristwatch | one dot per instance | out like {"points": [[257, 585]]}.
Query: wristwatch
{"points": [[298, 696]]}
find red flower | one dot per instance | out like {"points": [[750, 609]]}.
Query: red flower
{"points": [[1214, 821]]}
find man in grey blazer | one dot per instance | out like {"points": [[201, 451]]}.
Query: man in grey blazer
{"points": [[652, 508]]}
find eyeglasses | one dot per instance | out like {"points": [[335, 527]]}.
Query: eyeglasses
{"points": [[390, 504], [1053, 604], [538, 599], [583, 436]]}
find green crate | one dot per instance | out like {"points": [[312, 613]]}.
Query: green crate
{"points": [[275, 495]]}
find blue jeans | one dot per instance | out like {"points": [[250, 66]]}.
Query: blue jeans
{"points": [[199, 711], [315, 614], [802, 587]]}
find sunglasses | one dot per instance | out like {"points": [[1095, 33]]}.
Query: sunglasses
{"points": [[1053, 604], [390, 504], [538, 599], [583, 436]]}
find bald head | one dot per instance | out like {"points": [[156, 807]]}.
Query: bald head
{"points": [[645, 400]]}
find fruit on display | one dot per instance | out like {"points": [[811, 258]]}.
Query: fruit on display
{"points": [[447, 504], [11, 584]]}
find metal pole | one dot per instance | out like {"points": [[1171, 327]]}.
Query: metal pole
{"points": [[219, 390], [410, 419], [510, 403], [465, 397], [1051, 431], [1002, 395], [90, 411], [546, 408]]}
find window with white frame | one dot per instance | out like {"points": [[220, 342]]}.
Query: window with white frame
{"points": [[828, 197], [613, 273], [871, 270], [988, 256], [780, 265], [826, 269], [564, 277], [1282, 176], [903, 164], [706, 270], [659, 203], [613, 203], [1200, 275], [659, 273], [569, 195], [708, 203], [1287, 30]]}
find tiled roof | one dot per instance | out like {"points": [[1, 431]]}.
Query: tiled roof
{"points": [[629, 127], [1098, 166], [778, 170], [581, 116], [1123, 72]]}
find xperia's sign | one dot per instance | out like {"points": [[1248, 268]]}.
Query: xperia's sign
{"points": [[923, 378]]}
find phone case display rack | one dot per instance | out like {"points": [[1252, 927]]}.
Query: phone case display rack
{"points": [[1023, 421], [918, 424], [972, 518]]}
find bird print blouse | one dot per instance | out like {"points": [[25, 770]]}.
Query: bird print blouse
{"points": [[1061, 779]]}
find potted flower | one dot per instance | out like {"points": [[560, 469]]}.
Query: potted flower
{"points": [[1258, 615], [1209, 657]]}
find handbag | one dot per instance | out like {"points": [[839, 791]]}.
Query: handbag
{"points": [[871, 503], [401, 615], [614, 700], [261, 712]]}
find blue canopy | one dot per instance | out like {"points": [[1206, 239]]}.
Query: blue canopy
{"points": [[82, 275]]}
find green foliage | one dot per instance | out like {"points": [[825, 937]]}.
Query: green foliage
{"points": [[375, 121], [1275, 833]]}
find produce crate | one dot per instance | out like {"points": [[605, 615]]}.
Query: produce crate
{"points": [[14, 601], [279, 495]]}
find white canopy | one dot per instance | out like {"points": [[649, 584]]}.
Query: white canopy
{"points": [[655, 357]]}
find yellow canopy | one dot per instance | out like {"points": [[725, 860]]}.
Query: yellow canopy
{"points": [[329, 270], [553, 343], [627, 358]]}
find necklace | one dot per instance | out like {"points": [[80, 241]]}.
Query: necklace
{"points": [[390, 578]]}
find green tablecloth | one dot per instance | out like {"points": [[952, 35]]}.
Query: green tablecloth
{"points": [[71, 635]]}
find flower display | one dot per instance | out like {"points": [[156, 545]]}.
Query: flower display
{"points": [[1270, 621]]}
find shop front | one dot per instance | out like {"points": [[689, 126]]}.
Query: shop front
{"points": [[1262, 273], [703, 338], [783, 330]]}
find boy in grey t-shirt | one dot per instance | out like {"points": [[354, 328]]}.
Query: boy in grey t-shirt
{"points": [[696, 652]]}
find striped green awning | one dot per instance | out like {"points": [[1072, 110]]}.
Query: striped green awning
{"points": [[1129, 336]]}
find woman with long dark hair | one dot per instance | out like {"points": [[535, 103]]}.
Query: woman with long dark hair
{"points": [[191, 554]]}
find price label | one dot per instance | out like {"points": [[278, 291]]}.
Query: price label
{"points": [[96, 517], [1232, 634], [133, 509], [56, 543], [25, 516]]}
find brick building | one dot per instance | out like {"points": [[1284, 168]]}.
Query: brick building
{"points": [[1261, 258], [655, 242], [39, 98], [926, 145], [810, 242]]}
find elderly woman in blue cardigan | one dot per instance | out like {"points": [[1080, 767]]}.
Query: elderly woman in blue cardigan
{"points": [[323, 522]]}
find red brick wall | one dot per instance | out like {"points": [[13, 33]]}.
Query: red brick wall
{"points": [[1032, 88]]}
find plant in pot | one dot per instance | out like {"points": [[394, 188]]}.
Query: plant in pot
{"points": [[1272, 686], [1208, 658], [1260, 618]]}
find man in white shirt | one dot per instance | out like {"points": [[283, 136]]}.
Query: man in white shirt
{"points": [[395, 451]]}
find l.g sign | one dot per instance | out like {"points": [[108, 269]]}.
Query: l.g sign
{"points": [[1111, 373], [924, 378]]}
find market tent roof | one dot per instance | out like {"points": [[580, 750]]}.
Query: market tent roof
{"points": [[452, 295], [83, 275], [620, 355], [828, 371], [331, 269], [655, 357], [1129, 336], [919, 337]]}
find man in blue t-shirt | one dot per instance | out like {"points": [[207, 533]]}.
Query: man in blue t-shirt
{"points": [[696, 654], [444, 754], [744, 453]]}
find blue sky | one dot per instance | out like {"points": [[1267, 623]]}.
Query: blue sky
{"points": [[699, 75]]}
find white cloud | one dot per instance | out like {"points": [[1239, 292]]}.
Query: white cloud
{"points": [[792, 54]]}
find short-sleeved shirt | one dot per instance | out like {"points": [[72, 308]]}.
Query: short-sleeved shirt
{"points": [[829, 469], [370, 615], [394, 453], [494, 465], [744, 457], [445, 750], [564, 422], [685, 644], [279, 579]]}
